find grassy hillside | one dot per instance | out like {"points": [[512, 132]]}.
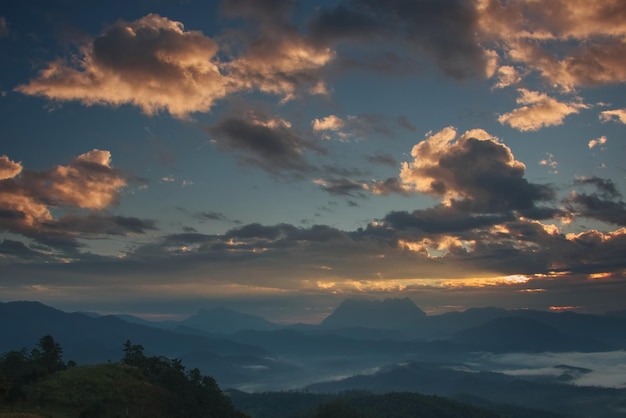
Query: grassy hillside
{"points": [[40, 383], [103, 390]]}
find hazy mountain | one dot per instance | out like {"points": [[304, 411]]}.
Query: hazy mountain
{"points": [[523, 334], [225, 321], [449, 380], [382, 314], [88, 340]]}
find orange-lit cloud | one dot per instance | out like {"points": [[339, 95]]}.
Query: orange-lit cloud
{"points": [[328, 123], [87, 182], [541, 111], [8, 168], [507, 76], [155, 64], [618, 115], [152, 63], [475, 172], [569, 42], [598, 141]]}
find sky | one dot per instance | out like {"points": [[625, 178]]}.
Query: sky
{"points": [[279, 156]]}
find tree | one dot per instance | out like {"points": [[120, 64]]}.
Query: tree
{"points": [[133, 354], [49, 355]]}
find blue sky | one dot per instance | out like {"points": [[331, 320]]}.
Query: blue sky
{"points": [[278, 156]]}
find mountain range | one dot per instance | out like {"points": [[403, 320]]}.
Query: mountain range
{"points": [[248, 352]]}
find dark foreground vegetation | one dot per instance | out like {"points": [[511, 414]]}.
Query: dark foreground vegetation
{"points": [[39, 384]]}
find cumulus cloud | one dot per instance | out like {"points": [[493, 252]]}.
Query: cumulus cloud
{"points": [[89, 181], [152, 63], [617, 115], [542, 111], [155, 64], [598, 141], [474, 171]]}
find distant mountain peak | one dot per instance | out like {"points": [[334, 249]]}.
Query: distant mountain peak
{"points": [[381, 314]]}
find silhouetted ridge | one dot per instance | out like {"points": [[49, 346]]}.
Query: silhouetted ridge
{"points": [[384, 314], [225, 321]]}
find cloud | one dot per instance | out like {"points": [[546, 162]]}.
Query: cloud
{"points": [[152, 63], [8, 168], [549, 161], [507, 76], [341, 187], [382, 159], [155, 64], [598, 141], [277, 59], [543, 111], [328, 123], [475, 172], [268, 143], [605, 204], [88, 182], [570, 43], [444, 32], [102, 224], [617, 115]]}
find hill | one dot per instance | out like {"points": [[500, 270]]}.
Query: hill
{"points": [[41, 383], [92, 340], [488, 388], [353, 404], [226, 321], [378, 314], [522, 334]]}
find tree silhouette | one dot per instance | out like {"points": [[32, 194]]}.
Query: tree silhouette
{"points": [[48, 355]]}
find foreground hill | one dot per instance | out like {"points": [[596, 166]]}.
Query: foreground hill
{"points": [[39, 383], [106, 390]]}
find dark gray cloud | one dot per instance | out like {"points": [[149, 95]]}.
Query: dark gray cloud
{"points": [[99, 223], [444, 31], [211, 216], [271, 145], [20, 251], [383, 159], [605, 204], [443, 219], [342, 187]]}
